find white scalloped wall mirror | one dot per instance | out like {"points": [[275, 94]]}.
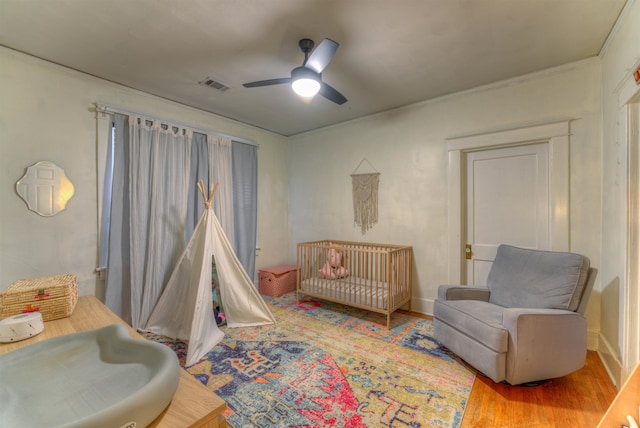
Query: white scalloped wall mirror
{"points": [[45, 188]]}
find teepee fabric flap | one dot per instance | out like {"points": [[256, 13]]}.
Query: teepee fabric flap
{"points": [[243, 305]]}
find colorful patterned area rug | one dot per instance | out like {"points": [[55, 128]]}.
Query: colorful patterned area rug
{"points": [[329, 365]]}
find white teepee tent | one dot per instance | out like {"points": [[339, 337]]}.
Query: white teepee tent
{"points": [[184, 310]]}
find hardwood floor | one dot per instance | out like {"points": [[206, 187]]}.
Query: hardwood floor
{"points": [[577, 400]]}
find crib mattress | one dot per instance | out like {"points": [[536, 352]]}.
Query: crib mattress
{"points": [[352, 290]]}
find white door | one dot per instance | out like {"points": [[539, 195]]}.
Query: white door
{"points": [[507, 199]]}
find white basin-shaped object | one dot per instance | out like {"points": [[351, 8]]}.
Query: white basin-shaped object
{"points": [[96, 378]]}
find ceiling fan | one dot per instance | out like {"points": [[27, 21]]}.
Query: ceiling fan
{"points": [[306, 80]]}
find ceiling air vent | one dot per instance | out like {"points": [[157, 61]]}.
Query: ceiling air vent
{"points": [[214, 84]]}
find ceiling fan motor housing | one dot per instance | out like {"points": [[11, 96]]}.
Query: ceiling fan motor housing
{"points": [[303, 72]]}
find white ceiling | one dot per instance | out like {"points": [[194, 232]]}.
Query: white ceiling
{"points": [[392, 52]]}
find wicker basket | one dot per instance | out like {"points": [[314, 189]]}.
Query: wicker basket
{"points": [[53, 296], [278, 280]]}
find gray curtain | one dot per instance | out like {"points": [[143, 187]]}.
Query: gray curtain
{"points": [[118, 290], [199, 171], [118, 283], [245, 203]]}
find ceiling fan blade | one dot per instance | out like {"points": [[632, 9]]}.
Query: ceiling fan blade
{"points": [[267, 82], [331, 94], [321, 56]]}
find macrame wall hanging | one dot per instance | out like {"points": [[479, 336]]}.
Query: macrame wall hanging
{"points": [[365, 197]]}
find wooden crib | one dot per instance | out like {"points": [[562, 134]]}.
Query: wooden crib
{"points": [[378, 276]]}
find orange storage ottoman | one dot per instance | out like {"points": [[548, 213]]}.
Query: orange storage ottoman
{"points": [[278, 280]]}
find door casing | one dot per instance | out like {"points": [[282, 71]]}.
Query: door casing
{"points": [[556, 135]]}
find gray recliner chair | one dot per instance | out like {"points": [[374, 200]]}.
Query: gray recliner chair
{"points": [[528, 324]]}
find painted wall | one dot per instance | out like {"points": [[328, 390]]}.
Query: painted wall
{"points": [[45, 114], [407, 146], [619, 58]]}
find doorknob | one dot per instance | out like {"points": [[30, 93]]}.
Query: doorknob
{"points": [[467, 252]]}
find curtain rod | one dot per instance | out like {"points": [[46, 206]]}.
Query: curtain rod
{"points": [[103, 108]]}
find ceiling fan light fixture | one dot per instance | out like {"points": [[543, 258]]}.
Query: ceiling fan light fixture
{"points": [[306, 88], [305, 82]]}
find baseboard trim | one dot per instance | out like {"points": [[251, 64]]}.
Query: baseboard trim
{"points": [[611, 363], [592, 340], [422, 306]]}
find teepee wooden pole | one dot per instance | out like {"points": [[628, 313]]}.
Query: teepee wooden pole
{"points": [[207, 202], [201, 188], [214, 190]]}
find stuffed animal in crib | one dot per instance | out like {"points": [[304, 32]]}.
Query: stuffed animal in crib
{"points": [[333, 268]]}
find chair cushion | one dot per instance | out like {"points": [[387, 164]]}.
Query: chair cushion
{"points": [[482, 321], [522, 278]]}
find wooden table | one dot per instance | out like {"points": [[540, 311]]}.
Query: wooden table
{"points": [[627, 402], [193, 405]]}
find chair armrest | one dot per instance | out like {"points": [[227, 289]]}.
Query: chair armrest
{"points": [[544, 343], [544, 323], [457, 292], [511, 316]]}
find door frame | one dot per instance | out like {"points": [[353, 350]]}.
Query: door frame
{"points": [[628, 95], [630, 316], [556, 135]]}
